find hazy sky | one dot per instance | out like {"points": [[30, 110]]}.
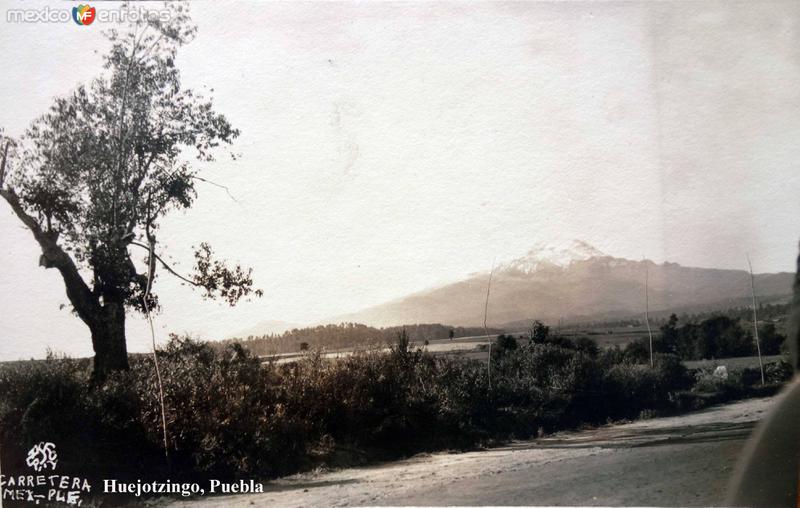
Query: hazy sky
{"points": [[388, 148]]}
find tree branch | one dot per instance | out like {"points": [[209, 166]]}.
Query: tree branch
{"points": [[135, 190], [166, 265], [53, 256], [216, 184]]}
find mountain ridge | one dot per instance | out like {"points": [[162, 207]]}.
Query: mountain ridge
{"points": [[571, 280]]}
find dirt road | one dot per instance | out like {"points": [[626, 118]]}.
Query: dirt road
{"points": [[678, 461]]}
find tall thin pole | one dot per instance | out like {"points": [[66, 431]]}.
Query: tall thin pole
{"points": [[151, 260], [485, 328], [647, 308], [755, 319]]}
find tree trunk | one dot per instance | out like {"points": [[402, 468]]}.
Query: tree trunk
{"points": [[108, 341], [105, 320]]}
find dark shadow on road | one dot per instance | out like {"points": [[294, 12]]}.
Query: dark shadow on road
{"points": [[290, 485], [711, 433], [636, 438]]}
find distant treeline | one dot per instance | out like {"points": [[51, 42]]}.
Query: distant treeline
{"points": [[348, 335], [345, 335], [718, 336], [775, 312]]}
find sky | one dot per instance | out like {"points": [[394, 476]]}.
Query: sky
{"points": [[391, 147]]}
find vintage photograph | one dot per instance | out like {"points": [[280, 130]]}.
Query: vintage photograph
{"points": [[399, 253]]}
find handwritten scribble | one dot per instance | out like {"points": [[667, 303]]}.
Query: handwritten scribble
{"points": [[42, 456]]}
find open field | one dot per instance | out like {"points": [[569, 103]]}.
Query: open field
{"points": [[611, 336], [476, 348], [443, 346], [675, 461]]}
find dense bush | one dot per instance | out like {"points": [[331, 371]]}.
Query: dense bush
{"points": [[228, 415], [771, 341], [652, 388], [778, 372], [50, 400], [223, 415], [504, 344]]}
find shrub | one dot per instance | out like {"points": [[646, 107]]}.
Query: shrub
{"points": [[538, 332], [671, 374], [722, 388], [50, 400], [771, 340], [629, 388], [778, 372], [503, 344], [587, 346], [638, 351], [223, 412], [610, 357]]}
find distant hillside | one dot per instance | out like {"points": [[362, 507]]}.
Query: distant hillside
{"points": [[575, 282], [268, 327], [345, 335]]}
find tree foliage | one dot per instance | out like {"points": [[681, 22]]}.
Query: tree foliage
{"points": [[95, 175], [718, 336]]}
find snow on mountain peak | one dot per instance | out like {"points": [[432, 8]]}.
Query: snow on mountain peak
{"points": [[550, 254]]}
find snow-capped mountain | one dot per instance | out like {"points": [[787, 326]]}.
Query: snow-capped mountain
{"points": [[573, 280], [551, 255]]}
